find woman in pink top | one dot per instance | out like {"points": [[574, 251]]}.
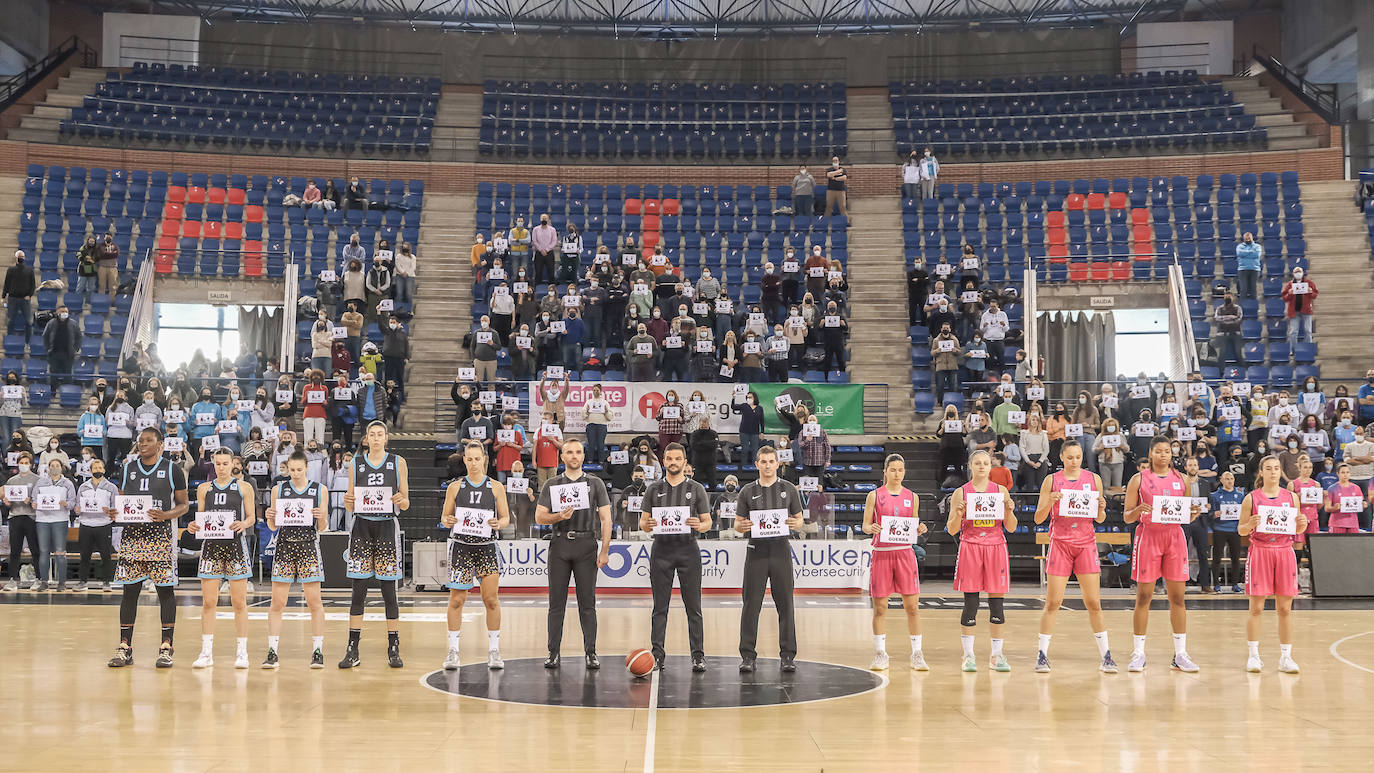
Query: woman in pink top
{"points": [[1270, 515], [1309, 496], [982, 523], [1344, 501], [893, 568], [1072, 501]]}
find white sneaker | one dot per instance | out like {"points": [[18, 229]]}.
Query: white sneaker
{"points": [[206, 660], [1254, 665], [1184, 663], [11, 587], [918, 662], [494, 661], [1287, 666], [451, 661], [1137, 663], [879, 662], [241, 659]]}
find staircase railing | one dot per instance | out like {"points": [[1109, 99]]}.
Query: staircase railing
{"points": [[15, 87], [1321, 100], [140, 326], [290, 296], [1182, 351]]}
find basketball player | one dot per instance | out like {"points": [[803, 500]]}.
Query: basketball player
{"points": [[676, 501], [472, 558], [297, 557], [894, 563], [224, 559], [573, 553], [147, 551], [1160, 550], [1271, 568], [982, 565], [768, 559], [374, 546], [1073, 550]]}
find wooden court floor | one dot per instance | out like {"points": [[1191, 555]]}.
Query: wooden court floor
{"points": [[66, 711]]}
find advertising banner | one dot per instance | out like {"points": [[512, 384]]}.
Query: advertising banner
{"points": [[839, 407]]}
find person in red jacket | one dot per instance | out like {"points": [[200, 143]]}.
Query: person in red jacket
{"points": [[314, 397], [1300, 293]]}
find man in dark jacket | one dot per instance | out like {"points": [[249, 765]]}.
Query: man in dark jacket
{"points": [[19, 289], [370, 399], [395, 352], [62, 339], [1227, 318]]}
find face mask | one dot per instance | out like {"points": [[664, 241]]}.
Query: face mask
{"points": [[730, 487], [1283, 401], [546, 318], [768, 270], [1311, 387], [1293, 445], [395, 326], [63, 315], [657, 314], [95, 407], [1082, 400], [1168, 390], [1345, 422]]}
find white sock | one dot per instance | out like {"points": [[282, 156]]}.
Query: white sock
{"points": [[241, 644], [916, 643], [880, 642], [1102, 646], [207, 642], [996, 647], [1138, 645], [1180, 643], [1286, 650], [1253, 647], [453, 640], [493, 640], [967, 643], [272, 642], [317, 643], [1044, 640]]}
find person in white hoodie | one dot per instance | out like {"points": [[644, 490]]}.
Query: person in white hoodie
{"points": [[53, 497], [95, 511], [119, 429]]}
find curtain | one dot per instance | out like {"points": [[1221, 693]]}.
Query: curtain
{"points": [[260, 329], [1079, 348]]}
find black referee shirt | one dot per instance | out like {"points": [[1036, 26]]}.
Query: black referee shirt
{"points": [[688, 493], [779, 496], [588, 519]]}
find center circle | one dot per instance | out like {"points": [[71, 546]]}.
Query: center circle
{"points": [[526, 681]]}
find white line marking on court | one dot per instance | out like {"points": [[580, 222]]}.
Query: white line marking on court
{"points": [[371, 617], [653, 724], [1337, 655]]}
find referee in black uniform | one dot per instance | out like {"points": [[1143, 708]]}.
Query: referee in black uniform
{"points": [[573, 552], [676, 553], [768, 559]]}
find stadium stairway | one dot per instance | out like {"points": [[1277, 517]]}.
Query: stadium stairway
{"points": [[11, 207], [870, 127], [1285, 133], [456, 123], [41, 125], [443, 300], [1338, 253], [880, 353]]}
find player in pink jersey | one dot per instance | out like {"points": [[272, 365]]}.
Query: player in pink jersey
{"points": [[1073, 548], [1302, 487], [1344, 517], [893, 568], [1160, 550], [1271, 569], [982, 565]]}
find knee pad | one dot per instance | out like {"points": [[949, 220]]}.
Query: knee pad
{"points": [[969, 617], [997, 611]]}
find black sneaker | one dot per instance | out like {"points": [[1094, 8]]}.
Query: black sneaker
{"points": [[746, 666], [164, 657], [393, 656], [698, 665], [350, 658], [317, 659], [271, 661], [660, 661], [124, 656], [592, 662], [554, 660], [789, 666]]}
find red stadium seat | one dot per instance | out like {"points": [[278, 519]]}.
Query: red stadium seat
{"points": [[171, 228], [1140, 216], [1054, 219], [1074, 201], [671, 206], [195, 195], [651, 206], [190, 229], [1142, 233], [649, 239], [252, 214], [1056, 236], [651, 223], [173, 211], [215, 196], [177, 194], [233, 231], [1101, 270], [1121, 270], [1097, 201], [1059, 253], [212, 230], [236, 196], [1078, 272], [632, 206], [1117, 200]]}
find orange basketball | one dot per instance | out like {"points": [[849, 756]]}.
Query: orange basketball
{"points": [[640, 663]]}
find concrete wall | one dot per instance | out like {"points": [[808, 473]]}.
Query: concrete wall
{"points": [[1310, 26], [25, 27], [1205, 46]]}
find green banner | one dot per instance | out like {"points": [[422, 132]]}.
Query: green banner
{"points": [[839, 406]]}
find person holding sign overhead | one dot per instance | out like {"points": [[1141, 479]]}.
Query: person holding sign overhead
{"points": [[890, 515], [1271, 517], [768, 510], [1158, 499], [983, 565], [1072, 499], [676, 509], [152, 495], [578, 507], [378, 491], [297, 514], [475, 509], [224, 513]]}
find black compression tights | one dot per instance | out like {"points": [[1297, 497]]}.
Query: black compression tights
{"points": [[388, 589], [128, 604]]}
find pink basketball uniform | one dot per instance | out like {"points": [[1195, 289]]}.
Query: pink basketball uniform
{"points": [[1309, 511], [1347, 523], [1271, 568], [1160, 548], [983, 565], [1073, 542], [893, 570]]}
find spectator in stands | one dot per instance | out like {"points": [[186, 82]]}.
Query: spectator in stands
{"points": [[354, 284], [12, 408], [1300, 294], [519, 242], [670, 419], [87, 271], [355, 197], [1085, 413], [815, 448], [593, 314], [994, 325], [486, 347], [835, 330], [478, 427], [314, 400], [929, 174], [62, 339], [370, 399], [404, 283], [330, 199], [1227, 318], [378, 284], [1110, 450], [640, 350], [20, 285], [352, 322], [548, 444], [321, 343], [945, 353], [544, 240], [776, 353], [312, 196], [1248, 256], [119, 429], [803, 193], [836, 184], [570, 254], [704, 442], [570, 341], [353, 251], [523, 361], [770, 293], [1311, 399], [816, 267], [395, 352], [910, 174], [1314, 440], [22, 527], [974, 364], [953, 446], [1199, 487], [1365, 398], [107, 263]]}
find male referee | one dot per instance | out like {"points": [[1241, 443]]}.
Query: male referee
{"points": [[764, 505], [676, 509], [572, 551]]}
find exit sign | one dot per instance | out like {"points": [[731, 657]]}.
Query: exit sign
{"points": [[1102, 301], [219, 296]]}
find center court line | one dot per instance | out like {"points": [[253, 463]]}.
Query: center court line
{"points": [[653, 724], [371, 617], [1336, 644]]}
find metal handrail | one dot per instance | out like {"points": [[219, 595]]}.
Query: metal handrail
{"points": [[1322, 101], [140, 324], [16, 85], [280, 57]]}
